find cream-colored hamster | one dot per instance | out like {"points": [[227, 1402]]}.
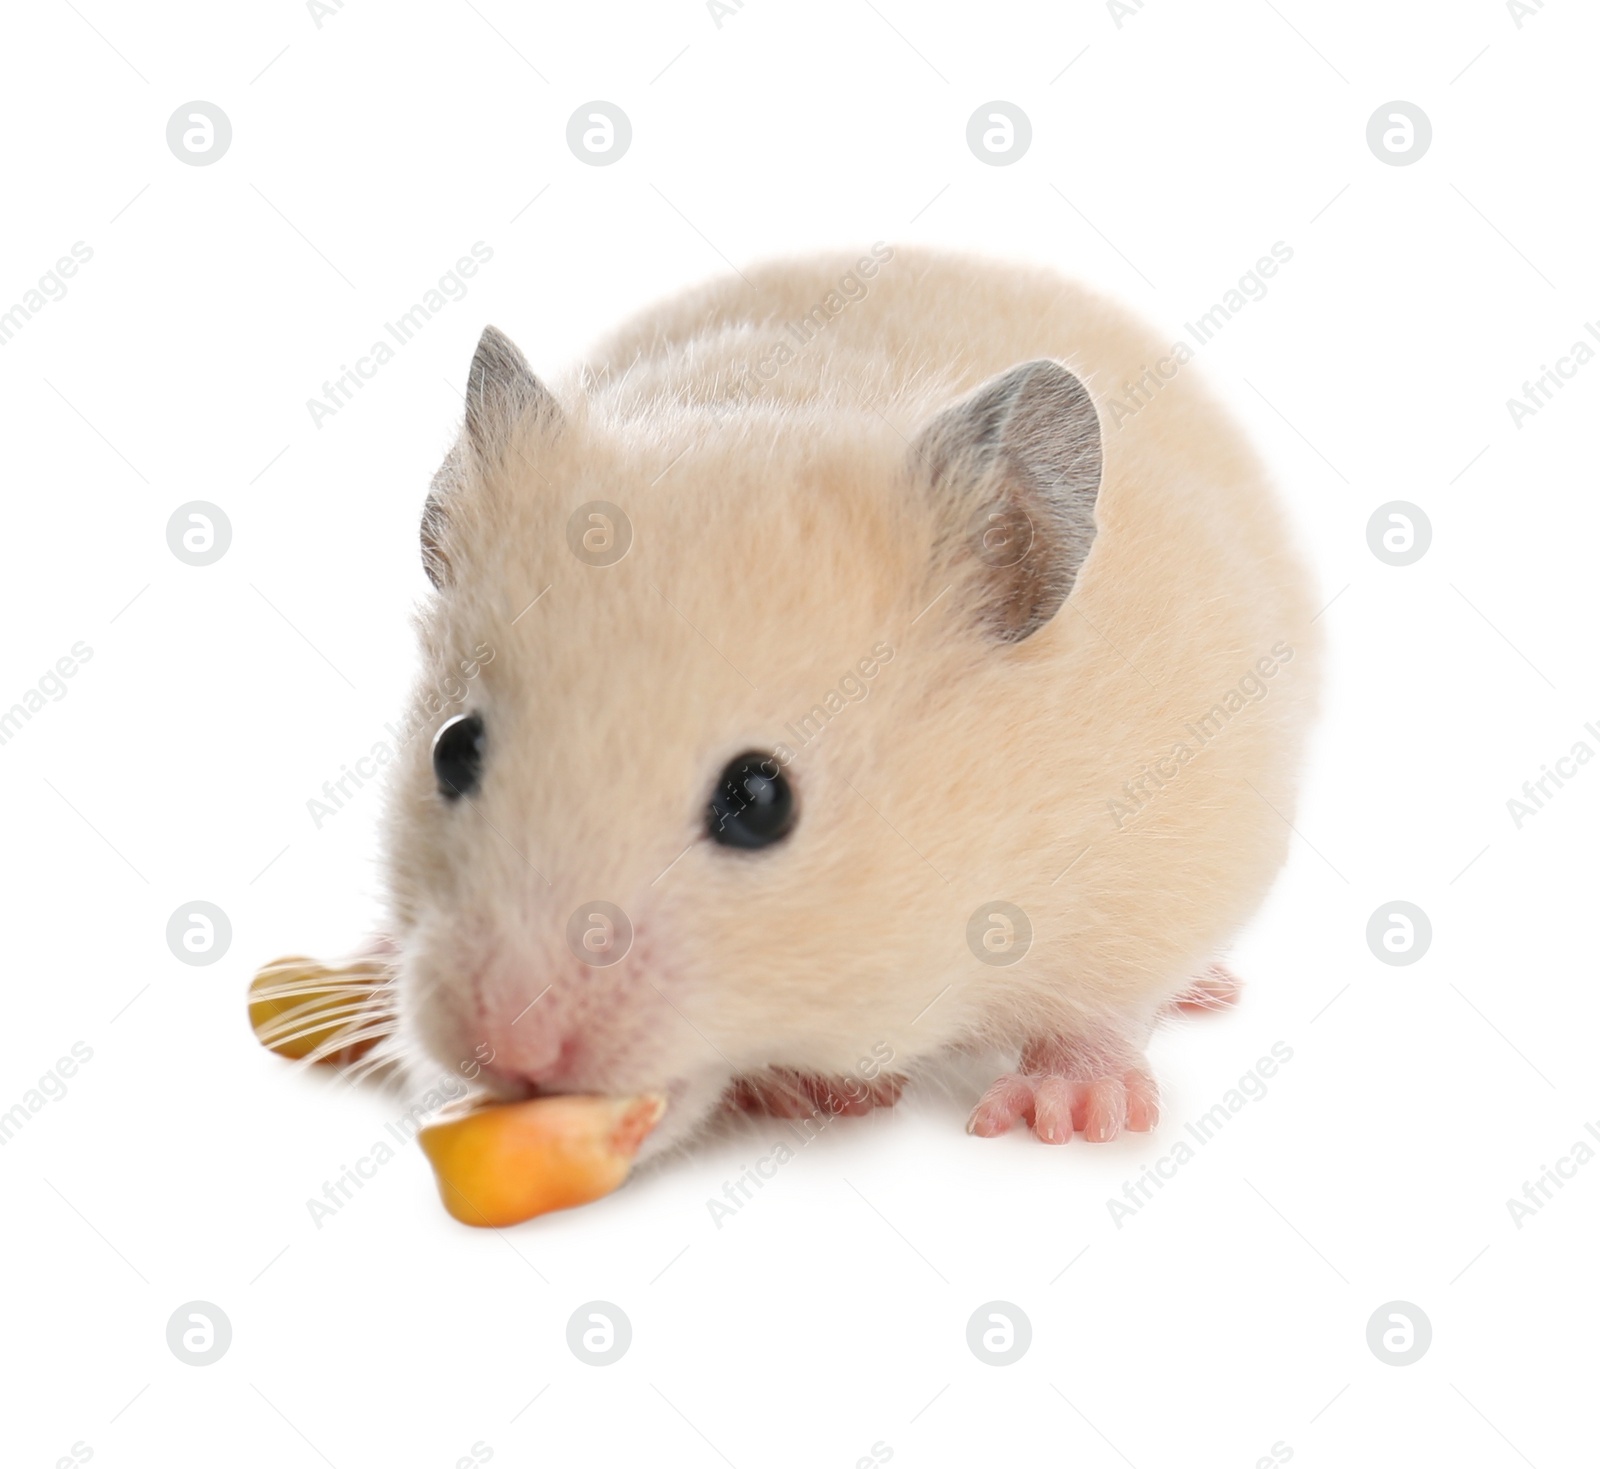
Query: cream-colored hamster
{"points": [[887, 657]]}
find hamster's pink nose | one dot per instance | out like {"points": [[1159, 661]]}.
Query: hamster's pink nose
{"points": [[530, 1060], [524, 1053]]}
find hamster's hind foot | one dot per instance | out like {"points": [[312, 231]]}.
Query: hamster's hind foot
{"points": [[1063, 1088], [1215, 988]]}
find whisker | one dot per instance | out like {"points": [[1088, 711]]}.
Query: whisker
{"points": [[313, 1004], [306, 1019], [388, 1055], [380, 994], [348, 1035]]}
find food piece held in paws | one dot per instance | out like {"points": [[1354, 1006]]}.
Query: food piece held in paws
{"points": [[308, 1011], [503, 1164]]}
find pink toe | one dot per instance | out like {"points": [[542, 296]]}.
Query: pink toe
{"points": [[1144, 1107], [1052, 1110], [1104, 1112], [1008, 1101], [987, 1122]]}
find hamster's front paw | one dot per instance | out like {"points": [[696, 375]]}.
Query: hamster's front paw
{"points": [[1065, 1088]]}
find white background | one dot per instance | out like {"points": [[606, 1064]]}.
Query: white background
{"points": [[830, 1314]]}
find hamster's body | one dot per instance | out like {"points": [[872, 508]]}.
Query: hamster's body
{"points": [[1023, 822]]}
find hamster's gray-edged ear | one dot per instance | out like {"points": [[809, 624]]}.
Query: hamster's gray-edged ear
{"points": [[1015, 468], [501, 392], [435, 518]]}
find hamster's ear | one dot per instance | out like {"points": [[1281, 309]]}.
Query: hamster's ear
{"points": [[435, 517], [1014, 469], [501, 392]]}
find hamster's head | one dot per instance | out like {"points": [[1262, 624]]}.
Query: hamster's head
{"points": [[696, 683]]}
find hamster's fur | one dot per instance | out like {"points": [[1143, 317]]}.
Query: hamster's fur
{"points": [[804, 454]]}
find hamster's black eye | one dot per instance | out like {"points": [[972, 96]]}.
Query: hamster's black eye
{"points": [[458, 755], [753, 803]]}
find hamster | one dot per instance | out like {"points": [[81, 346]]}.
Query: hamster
{"points": [[874, 659]]}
